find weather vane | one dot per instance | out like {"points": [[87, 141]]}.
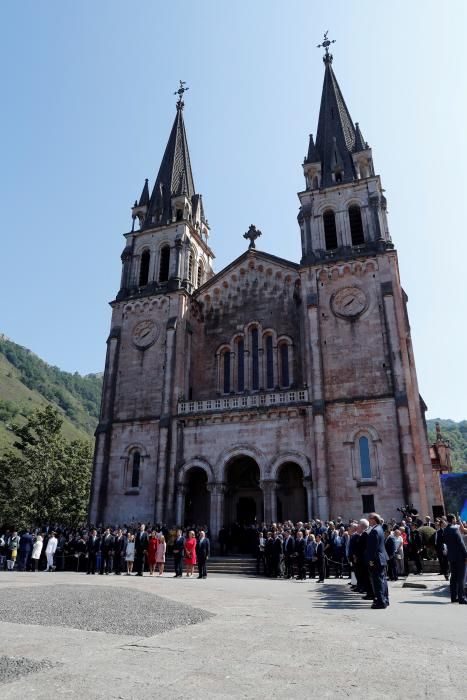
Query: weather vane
{"points": [[252, 234], [325, 45], [181, 90]]}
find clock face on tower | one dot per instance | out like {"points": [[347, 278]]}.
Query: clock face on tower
{"points": [[144, 334], [349, 302]]}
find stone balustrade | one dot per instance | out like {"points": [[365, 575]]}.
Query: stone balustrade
{"points": [[243, 402]]}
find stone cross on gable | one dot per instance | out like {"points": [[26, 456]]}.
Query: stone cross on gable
{"points": [[252, 234]]}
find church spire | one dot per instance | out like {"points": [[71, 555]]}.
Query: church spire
{"points": [[175, 178], [336, 135]]}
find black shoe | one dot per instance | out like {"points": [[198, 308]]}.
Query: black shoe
{"points": [[367, 597], [378, 606], [204, 576], [87, 574], [463, 602], [454, 601]]}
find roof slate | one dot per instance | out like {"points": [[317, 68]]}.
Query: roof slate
{"points": [[336, 136], [174, 178]]}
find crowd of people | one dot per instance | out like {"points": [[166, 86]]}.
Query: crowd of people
{"points": [[368, 551], [120, 550]]}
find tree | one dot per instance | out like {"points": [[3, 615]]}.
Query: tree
{"points": [[45, 478]]}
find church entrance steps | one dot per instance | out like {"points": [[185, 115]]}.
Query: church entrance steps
{"points": [[234, 565]]}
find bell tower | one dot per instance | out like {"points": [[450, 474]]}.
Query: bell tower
{"points": [[368, 417], [165, 259]]}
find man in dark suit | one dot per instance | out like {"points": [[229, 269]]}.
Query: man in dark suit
{"points": [[457, 556], [107, 545], [141, 547], [277, 553], [203, 550], [361, 565], [178, 547], [320, 563], [390, 547], [25, 551], [92, 547], [376, 558], [300, 546], [289, 551], [416, 546], [118, 548]]}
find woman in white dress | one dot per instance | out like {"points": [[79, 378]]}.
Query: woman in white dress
{"points": [[160, 554], [130, 554], [50, 550], [36, 551]]}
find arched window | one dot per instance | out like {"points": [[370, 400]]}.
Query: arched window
{"points": [[315, 182], [135, 468], [269, 363], [356, 225], [365, 463], [200, 274], [144, 268], [330, 231], [240, 365], [164, 264], [226, 371], [284, 364], [190, 267], [254, 359]]}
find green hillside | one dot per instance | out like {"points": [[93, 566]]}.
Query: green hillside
{"points": [[27, 383], [456, 433]]}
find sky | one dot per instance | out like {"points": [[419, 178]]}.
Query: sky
{"points": [[87, 109]]}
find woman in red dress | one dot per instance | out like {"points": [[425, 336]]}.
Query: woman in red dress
{"points": [[190, 553], [152, 549]]}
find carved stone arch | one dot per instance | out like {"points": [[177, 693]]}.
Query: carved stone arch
{"points": [[355, 201], [128, 465], [362, 430], [272, 332], [374, 449], [198, 462], [240, 451], [285, 457], [325, 204], [370, 266], [224, 347]]}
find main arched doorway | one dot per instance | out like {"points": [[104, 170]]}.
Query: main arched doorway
{"points": [[244, 498], [243, 502], [197, 499], [291, 494]]}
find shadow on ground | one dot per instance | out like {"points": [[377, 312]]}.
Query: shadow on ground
{"points": [[338, 597]]}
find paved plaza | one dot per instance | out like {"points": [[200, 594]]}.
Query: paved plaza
{"points": [[65, 635]]}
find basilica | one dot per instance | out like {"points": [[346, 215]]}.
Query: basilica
{"points": [[272, 389]]}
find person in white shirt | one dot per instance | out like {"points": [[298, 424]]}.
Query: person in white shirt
{"points": [[50, 551], [36, 551]]}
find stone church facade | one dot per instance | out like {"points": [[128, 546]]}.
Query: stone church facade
{"points": [[272, 389]]}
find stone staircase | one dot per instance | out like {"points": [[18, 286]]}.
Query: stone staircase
{"points": [[236, 564]]}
